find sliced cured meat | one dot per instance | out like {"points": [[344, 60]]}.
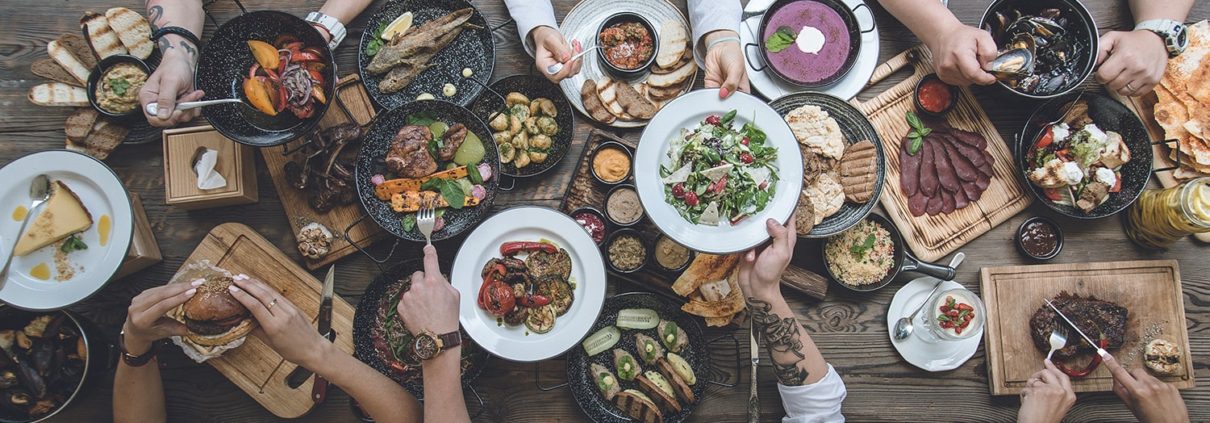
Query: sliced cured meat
{"points": [[917, 203], [928, 171], [972, 154], [935, 205], [947, 202], [968, 137], [972, 191], [909, 170], [962, 167], [960, 201], [986, 168], [983, 182], [945, 170]]}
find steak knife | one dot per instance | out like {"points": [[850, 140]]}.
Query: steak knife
{"points": [[1100, 351], [753, 400], [300, 374]]}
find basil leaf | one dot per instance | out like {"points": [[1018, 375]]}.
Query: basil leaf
{"points": [[926, 132], [727, 118], [453, 194], [780, 40], [914, 121], [915, 146]]}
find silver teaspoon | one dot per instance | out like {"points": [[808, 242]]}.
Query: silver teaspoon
{"points": [[904, 326], [39, 192]]}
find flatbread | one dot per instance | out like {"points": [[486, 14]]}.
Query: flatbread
{"points": [[827, 196], [673, 42], [705, 268], [814, 128]]}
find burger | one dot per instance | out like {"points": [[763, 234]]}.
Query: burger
{"points": [[214, 317]]}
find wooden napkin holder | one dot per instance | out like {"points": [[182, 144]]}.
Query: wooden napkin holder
{"points": [[236, 163], [144, 250]]}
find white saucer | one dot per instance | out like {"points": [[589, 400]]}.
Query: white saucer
{"points": [[773, 87], [932, 357]]}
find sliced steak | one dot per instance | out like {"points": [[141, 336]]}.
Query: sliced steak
{"points": [[451, 140], [935, 205], [974, 155], [960, 201], [947, 202], [945, 170], [909, 170], [1097, 318], [928, 171], [971, 191], [970, 138]]}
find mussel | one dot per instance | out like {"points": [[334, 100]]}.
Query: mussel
{"points": [[1012, 64], [16, 400], [1038, 55], [8, 379]]}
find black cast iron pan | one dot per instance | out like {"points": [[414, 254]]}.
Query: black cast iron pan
{"points": [[850, 22], [904, 261], [492, 102]]}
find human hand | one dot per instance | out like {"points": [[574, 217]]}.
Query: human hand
{"points": [[171, 83], [1047, 396], [725, 68], [145, 318], [1131, 62], [960, 52], [550, 48], [1150, 399], [760, 273], [431, 304], [286, 329]]}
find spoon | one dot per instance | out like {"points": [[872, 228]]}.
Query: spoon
{"points": [[557, 67], [39, 192], [904, 327], [154, 108]]}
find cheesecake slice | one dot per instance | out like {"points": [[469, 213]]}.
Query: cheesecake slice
{"points": [[61, 216]]}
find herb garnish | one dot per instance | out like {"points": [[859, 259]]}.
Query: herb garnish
{"points": [[917, 134], [780, 40], [859, 250], [119, 85], [375, 43], [449, 189], [73, 243]]}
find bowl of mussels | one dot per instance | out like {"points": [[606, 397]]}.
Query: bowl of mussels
{"points": [[1046, 47], [44, 362]]}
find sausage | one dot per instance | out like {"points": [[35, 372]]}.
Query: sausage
{"points": [[909, 170], [945, 170], [928, 170], [965, 170]]}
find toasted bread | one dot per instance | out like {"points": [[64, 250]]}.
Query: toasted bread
{"points": [[664, 93], [685, 59], [678, 383], [68, 61], [663, 399], [673, 41], [58, 94], [633, 102], [78, 46], [674, 78], [79, 123], [804, 215], [608, 91], [132, 29], [592, 103], [705, 268], [47, 68], [638, 408], [100, 36], [102, 140]]}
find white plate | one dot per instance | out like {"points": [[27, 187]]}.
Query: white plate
{"points": [[937, 357], [688, 111], [102, 194], [529, 223], [847, 87]]}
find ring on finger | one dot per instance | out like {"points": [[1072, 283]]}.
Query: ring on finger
{"points": [[271, 304], [1129, 87]]}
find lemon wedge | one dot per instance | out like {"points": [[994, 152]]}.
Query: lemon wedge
{"points": [[398, 26]]}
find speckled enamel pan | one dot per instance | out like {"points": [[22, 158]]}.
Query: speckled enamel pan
{"points": [[488, 104]]}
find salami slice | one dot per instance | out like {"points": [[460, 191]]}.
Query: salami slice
{"points": [[928, 171], [909, 170]]}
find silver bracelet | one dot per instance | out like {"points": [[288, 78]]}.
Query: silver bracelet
{"points": [[721, 40]]}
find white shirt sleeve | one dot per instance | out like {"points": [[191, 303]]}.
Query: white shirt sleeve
{"points": [[706, 16], [818, 402], [531, 14]]}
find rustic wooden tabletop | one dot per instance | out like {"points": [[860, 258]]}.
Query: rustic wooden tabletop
{"points": [[849, 328]]}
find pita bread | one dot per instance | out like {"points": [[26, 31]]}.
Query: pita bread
{"points": [[673, 42], [705, 268], [718, 322], [814, 128], [827, 196]]}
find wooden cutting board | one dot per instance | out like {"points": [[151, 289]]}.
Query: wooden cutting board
{"points": [[1144, 107], [298, 212], [254, 367], [1150, 291], [933, 237]]}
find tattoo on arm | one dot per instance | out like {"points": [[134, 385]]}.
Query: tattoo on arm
{"points": [[781, 337], [156, 13], [164, 44], [189, 49]]}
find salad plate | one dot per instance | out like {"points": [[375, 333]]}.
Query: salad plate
{"points": [[709, 171], [529, 224]]}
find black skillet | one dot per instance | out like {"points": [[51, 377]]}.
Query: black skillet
{"points": [[904, 261], [370, 162], [491, 103], [1109, 115], [225, 62], [369, 337], [473, 49], [584, 388], [850, 22]]}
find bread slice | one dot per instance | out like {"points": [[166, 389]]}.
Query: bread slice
{"points": [[102, 140], [675, 78], [68, 61], [592, 103], [103, 39], [685, 59], [607, 90], [47, 68], [634, 103], [638, 408], [78, 47], [705, 268], [678, 383], [132, 29], [663, 93], [79, 123], [674, 40], [58, 94], [665, 400]]}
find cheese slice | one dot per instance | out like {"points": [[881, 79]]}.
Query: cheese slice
{"points": [[717, 172], [61, 216], [680, 175], [709, 215]]}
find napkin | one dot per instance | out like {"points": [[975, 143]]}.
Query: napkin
{"points": [[207, 177]]}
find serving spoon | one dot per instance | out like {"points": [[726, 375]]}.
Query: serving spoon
{"points": [[39, 192], [557, 67], [154, 108], [904, 326]]}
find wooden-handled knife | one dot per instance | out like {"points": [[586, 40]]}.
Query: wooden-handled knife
{"points": [[319, 390]]}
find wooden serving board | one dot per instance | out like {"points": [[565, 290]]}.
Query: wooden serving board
{"points": [[1150, 291], [932, 237], [1144, 107], [298, 212], [255, 367], [584, 190]]}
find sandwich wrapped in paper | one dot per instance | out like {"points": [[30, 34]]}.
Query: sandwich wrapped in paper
{"points": [[217, 322]]}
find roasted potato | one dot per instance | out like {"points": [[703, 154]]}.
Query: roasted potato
{"points": [[515, 98], [548, 125], [531, 126], [507, 153], [522, 160], [500, 122], [535, 106], [514, 124], [520, 111], [547, 107], [537, 156], [540, 141], [521, 140], [502, 137]]}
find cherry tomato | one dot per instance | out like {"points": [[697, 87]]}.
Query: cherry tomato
{"points": [[691, 198], [678, 190], [1053, 194], [745, 157], [1046, 138], [713, 119], [744, 141]]}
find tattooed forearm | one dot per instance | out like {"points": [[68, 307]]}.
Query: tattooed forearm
{"points": [[189, 48], [156, 13], [782, 338]]}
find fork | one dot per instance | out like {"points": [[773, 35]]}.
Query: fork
{"points": [[425, 220], [1058, 339]]}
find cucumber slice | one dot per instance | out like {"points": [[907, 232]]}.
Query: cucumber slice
{"points": [[471, 151], [602, 340], [638, 318]]}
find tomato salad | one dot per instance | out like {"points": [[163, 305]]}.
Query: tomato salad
{"points": [[534, 290], [627, 45], [286, 75]]}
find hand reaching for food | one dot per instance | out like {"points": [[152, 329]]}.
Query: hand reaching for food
{"points": [[1047, 396], [1150, 399], [171, 83], [724, 63], [286, 329], [760, 272], [550, 48], [960, 52], [1131, 63], [431, 304], [145, 320]]}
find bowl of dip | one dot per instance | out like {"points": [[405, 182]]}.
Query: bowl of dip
{"points": [[626, 252], [622, 205], [1039, 238], [628, 44], [671, 256], [113, 87], [611, 163], [593, 222], [952, 315], [809, 43], [933, 96]]}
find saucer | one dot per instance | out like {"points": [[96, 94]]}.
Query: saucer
{"points": [[937, 357]]}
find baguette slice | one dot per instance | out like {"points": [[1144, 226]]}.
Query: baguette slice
{"points": [[103, 39], [47, 68], [78, 46], [58, 94], [79, 123], [678, 383], [665, 400], [674, 42], [104, 138], [68, 61], [675, 78], [133, 30]]}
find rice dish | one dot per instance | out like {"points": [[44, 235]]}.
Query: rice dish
{"points": [[861, 255]]}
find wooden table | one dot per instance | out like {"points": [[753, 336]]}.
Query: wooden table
{"points": [[849, 328]]}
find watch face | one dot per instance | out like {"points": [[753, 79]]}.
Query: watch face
{"points": [[425, 346], [1181, 36]]}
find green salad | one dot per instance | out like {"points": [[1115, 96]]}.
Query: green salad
{"points": [[719, 171]]}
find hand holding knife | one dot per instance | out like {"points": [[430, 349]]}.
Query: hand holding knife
{"points": [[319, 390], [1100, 351]]}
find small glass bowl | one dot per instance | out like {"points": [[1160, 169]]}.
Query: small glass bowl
{"points": [[931, 330]]}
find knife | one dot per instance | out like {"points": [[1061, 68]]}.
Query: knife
{"points": [[753, 400], [1100, 351], [296, 378]]}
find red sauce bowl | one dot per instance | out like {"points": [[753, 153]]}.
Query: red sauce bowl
{"points": [[618, 71], [933, 92]]}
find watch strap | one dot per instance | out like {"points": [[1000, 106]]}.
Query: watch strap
{"points": [[137, 360], [1172, 32], [450, 340], [335, 28], [187, 34]]}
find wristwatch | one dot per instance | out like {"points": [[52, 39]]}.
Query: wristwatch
{"points": [[137, 360], [1171, 31], [332, 25], [427, 345]]}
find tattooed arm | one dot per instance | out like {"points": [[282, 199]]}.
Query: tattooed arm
{"points": [[172, 81]]}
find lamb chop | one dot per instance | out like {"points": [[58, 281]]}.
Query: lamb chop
{"points": [[1097, 318], [322, 172], [408, 155]]}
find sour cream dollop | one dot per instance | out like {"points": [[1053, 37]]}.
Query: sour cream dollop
{"points": [[1071, 173], [810, 40], [1106, 176]]}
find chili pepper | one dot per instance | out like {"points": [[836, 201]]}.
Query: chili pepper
{"points": [[1047, 138], [1092, 365], [512, 248]]}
